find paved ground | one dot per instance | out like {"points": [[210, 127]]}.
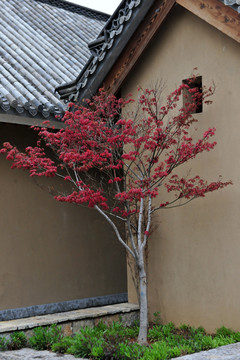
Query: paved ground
{"points": [[229, 352], [29, 354]]}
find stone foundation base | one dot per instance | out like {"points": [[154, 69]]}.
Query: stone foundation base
{"points": [[72, 321]]}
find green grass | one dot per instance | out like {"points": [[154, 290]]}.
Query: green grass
{"points": [[118, 342]]}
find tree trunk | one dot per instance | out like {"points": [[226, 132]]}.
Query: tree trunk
{"points": [[142, 336]]}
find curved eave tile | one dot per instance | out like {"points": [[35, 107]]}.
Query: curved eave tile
{"points": [[110, 32]]}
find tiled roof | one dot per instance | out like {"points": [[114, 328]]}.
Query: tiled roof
{"points": [[43, 43], [235, 4], [127, 17], [108, 45]]}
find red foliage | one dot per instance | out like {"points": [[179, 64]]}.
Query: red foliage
{"points": [[118, 165], [135, 158]]}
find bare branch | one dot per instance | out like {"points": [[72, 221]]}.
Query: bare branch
{"points": [[115, 230]]}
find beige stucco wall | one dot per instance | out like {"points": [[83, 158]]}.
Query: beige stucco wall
{"points": [[50, 251], [194, 255]]}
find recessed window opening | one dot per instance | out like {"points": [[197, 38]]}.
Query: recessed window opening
{"points": [[193, 97]]}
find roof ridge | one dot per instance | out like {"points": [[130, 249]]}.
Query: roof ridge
{"points": [[76, 8], [105, 44]]}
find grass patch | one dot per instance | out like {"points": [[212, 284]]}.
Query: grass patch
{"points": [[117, 342]]}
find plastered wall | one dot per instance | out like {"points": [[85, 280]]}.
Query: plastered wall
{"points": [[50, 251], [194, 254]]}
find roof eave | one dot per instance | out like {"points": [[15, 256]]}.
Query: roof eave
{"points": [[221, 16], [95, 80]]}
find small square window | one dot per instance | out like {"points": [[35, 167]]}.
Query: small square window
{"points": [[193, 97]]}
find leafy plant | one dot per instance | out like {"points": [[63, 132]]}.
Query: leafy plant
{"points": [[155, 333], [168, 329], [208, 343], [44, 337], [117, 329], [221, 340], [223, 331], [184, 327], [127, 351], [117, 342], [161, 331], [63, 345], [3, 343], [86, 340], [18, 341], [97, 352], [175, 351], [236, 336], [158, 351]]}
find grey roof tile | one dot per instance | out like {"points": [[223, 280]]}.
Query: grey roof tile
{"points": [[43, 43], [103, 46]]}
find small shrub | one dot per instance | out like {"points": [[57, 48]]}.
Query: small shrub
{"points": [[223, 331], [187, 349], [85, 341], [116, 329], [3, 343], [131, 351], [192, 331], [168, 329], [208, 343], [201, 330], [161, 332], [100, 327], [155, 333], [112, 345], [221, 340], [132, 332], [184, 327], [195, 345], [44, 337], [18, 341], [158, 351], [236, 336], [97, 352], [174, 351], [63, 345]]}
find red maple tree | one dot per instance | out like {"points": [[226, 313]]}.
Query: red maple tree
{"points": [[118, 165]]}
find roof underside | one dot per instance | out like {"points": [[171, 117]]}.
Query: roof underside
{"points": [[41, 47]]}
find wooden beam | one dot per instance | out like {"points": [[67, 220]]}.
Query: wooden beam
{"points": [[223, 17], [137, 44]]}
